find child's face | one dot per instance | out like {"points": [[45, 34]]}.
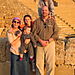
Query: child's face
{"points": [[27, 31]]}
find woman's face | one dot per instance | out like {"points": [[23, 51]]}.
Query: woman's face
{"points": [[16, 23], [28, 21]]}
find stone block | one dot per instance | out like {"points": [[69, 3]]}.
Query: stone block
{"points": [[4, 49], [64, 70], [60, 53], [70, 52]]}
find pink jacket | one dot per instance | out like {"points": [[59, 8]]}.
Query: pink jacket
{"points": [[14, 41]]}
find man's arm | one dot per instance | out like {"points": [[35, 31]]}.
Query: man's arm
{"points": [[55, 30], [33, 40], [35, 32]]}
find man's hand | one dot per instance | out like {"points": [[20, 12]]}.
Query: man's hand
{"points": [[43, 43], [35, 46], [51, 39]]}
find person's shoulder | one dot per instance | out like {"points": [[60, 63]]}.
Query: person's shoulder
{"points": [[52, 18], [38, 19], [22, 25], [10, 30]]}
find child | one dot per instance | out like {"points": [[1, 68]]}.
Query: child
{"points": [[27, 47]]}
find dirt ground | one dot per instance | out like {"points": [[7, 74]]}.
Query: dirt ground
{"points": [[60, 70]]}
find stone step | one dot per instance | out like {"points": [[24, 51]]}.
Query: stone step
{"points": [[65, 10], [31, 4]]}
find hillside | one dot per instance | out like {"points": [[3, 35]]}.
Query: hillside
{"points": [[13, 8]]}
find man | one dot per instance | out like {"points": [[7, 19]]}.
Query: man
{"points": [[48, 3], [45, 32], [55, 3]]}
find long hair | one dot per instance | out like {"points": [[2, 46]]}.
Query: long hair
{"points": [[30, 18]]}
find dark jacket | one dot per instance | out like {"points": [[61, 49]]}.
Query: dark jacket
{"points": [[28, 46], [46, 30]]}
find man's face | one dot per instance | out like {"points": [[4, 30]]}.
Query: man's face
{"points": [[45, 11]]}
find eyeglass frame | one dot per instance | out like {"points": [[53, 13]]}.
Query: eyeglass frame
{"points": [[16, 22]]}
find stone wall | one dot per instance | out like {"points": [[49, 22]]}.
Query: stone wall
{"points": [[4, 50], [70, 52], [63, 56], [65, 52]]}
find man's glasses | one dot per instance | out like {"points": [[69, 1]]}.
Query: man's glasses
{"points": [[16, 22]]}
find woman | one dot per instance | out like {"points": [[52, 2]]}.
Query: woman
{"points": [[17, 67], [28, 22], [14, 39]]}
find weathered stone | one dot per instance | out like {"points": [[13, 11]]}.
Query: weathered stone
{"points": [[63, 70], [70, 52], [60, 53], [4, 50]]}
